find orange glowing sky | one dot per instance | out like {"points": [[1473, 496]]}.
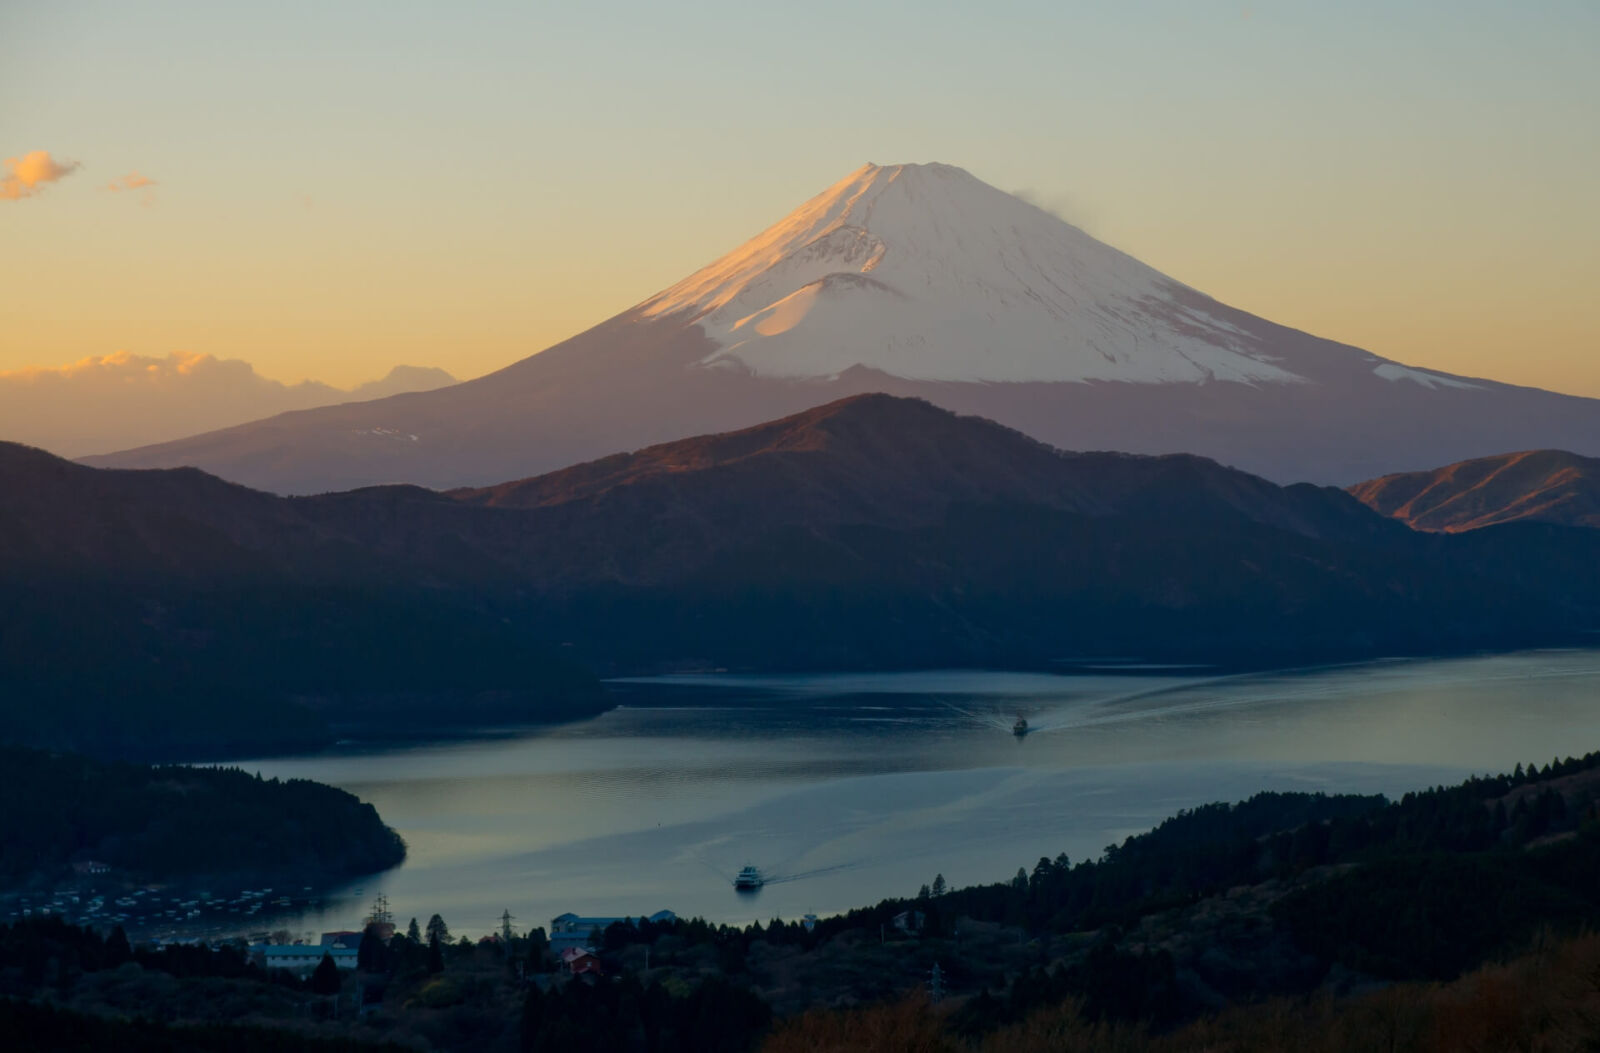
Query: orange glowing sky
{"points": [[328, 190]]}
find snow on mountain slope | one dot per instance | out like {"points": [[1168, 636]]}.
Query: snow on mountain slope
{"points": [[1395, 371], [916, 280], [927, 273]]}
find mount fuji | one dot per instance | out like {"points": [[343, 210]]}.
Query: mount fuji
{"points": [[916, 280]]}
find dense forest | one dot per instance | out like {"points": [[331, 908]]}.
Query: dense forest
{"points": [[30, 1027], [1544, 1000], [168, 822], [172, 671]]}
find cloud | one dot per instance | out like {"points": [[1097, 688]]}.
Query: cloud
{"points": [[126, 370], [25, 176], [135, 181], [1065, 209], [131, 181], [116, 401]]}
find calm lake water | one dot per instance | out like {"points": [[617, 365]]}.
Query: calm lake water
{"points": [[846, 789]]}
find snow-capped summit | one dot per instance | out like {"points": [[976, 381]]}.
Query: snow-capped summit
{"points": [[915, 280], [927, 273]]}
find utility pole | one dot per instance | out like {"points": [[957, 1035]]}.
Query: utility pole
{"points": [[935, 984]]}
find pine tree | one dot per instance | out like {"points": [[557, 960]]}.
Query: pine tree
{"points": [[373, 954], [413, 933], [538, 945], [438, 930], [938, 885], [435, 956], [117, 948], [325, 981]]}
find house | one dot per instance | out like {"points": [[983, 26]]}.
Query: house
{"points": [[302, 958], [576, 930], [580, 960], [92, 866], [910, 921]]}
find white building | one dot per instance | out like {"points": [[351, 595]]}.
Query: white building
{"points": [[304, 957]]}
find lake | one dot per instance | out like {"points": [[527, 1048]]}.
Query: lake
{"points": [[845, 789]]}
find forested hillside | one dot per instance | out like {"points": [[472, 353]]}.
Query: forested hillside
{"points": [[177, 822]]}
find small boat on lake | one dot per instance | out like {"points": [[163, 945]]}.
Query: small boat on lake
{"points": [[749, 880]]}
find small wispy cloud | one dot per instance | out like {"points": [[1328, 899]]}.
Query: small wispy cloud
{"points": [[134, 181], [131, 181], [25, 176], [1070, 210]]}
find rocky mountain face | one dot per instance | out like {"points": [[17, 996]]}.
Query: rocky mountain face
{"points": [[1541, 486]]}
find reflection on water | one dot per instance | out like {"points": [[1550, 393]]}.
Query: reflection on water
{"points": [[846, 788]]}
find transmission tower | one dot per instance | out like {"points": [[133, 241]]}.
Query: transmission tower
{"points": [[506, 918], [380, 915]]}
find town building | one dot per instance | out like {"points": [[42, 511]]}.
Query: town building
{"points": [[575, 930], [577, 961]]}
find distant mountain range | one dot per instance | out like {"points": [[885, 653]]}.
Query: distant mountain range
{"points": [[1543, 486], [871, 532], [114, 401], [914, 280]]}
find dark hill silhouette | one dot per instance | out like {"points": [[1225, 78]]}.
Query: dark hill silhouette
{"points": [[871, 532], [871, 460], [168, 614], [884, 459]]}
